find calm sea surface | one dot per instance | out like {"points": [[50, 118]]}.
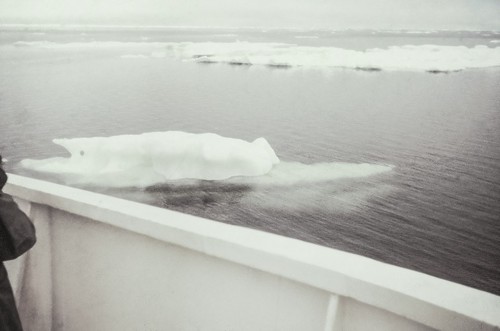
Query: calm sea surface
{"points": [[437, 211]]}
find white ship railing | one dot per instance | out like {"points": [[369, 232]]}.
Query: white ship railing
{"points": [[103, 263]]}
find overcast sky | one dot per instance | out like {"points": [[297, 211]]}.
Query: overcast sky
{"points": [[337, 14]]}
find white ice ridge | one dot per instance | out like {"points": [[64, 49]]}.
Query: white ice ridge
{"points": [[402, 58], [157, 157]]}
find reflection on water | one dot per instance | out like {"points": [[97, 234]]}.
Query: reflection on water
{"points": [[205, 195], [197, 196]]}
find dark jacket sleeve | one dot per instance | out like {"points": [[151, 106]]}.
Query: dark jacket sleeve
{"points": [[17, 233]]}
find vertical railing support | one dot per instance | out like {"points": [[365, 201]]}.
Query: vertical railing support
{"points": [[334, 314]]}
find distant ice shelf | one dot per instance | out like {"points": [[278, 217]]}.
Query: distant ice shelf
{"points": [[430, 58]]}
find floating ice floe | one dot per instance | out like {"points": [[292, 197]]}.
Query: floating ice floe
{"points": [[150, 158], [431, 58], [166, 157]]}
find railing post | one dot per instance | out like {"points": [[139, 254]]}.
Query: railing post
{"points": [[334, 317]]}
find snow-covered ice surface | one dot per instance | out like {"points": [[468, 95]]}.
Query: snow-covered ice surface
{"points": [[150, 158], [409, 57], [432, 58], [160, 157]]}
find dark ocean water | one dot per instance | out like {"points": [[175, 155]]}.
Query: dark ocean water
{"points": [[437, 211]]}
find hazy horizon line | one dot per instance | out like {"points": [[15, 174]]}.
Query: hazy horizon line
{"points": [[63, 26]]}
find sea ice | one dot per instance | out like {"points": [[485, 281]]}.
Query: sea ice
{"points": [[293, 173], [432, 58], [173, 156], [150, 158], [401, 58]]}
